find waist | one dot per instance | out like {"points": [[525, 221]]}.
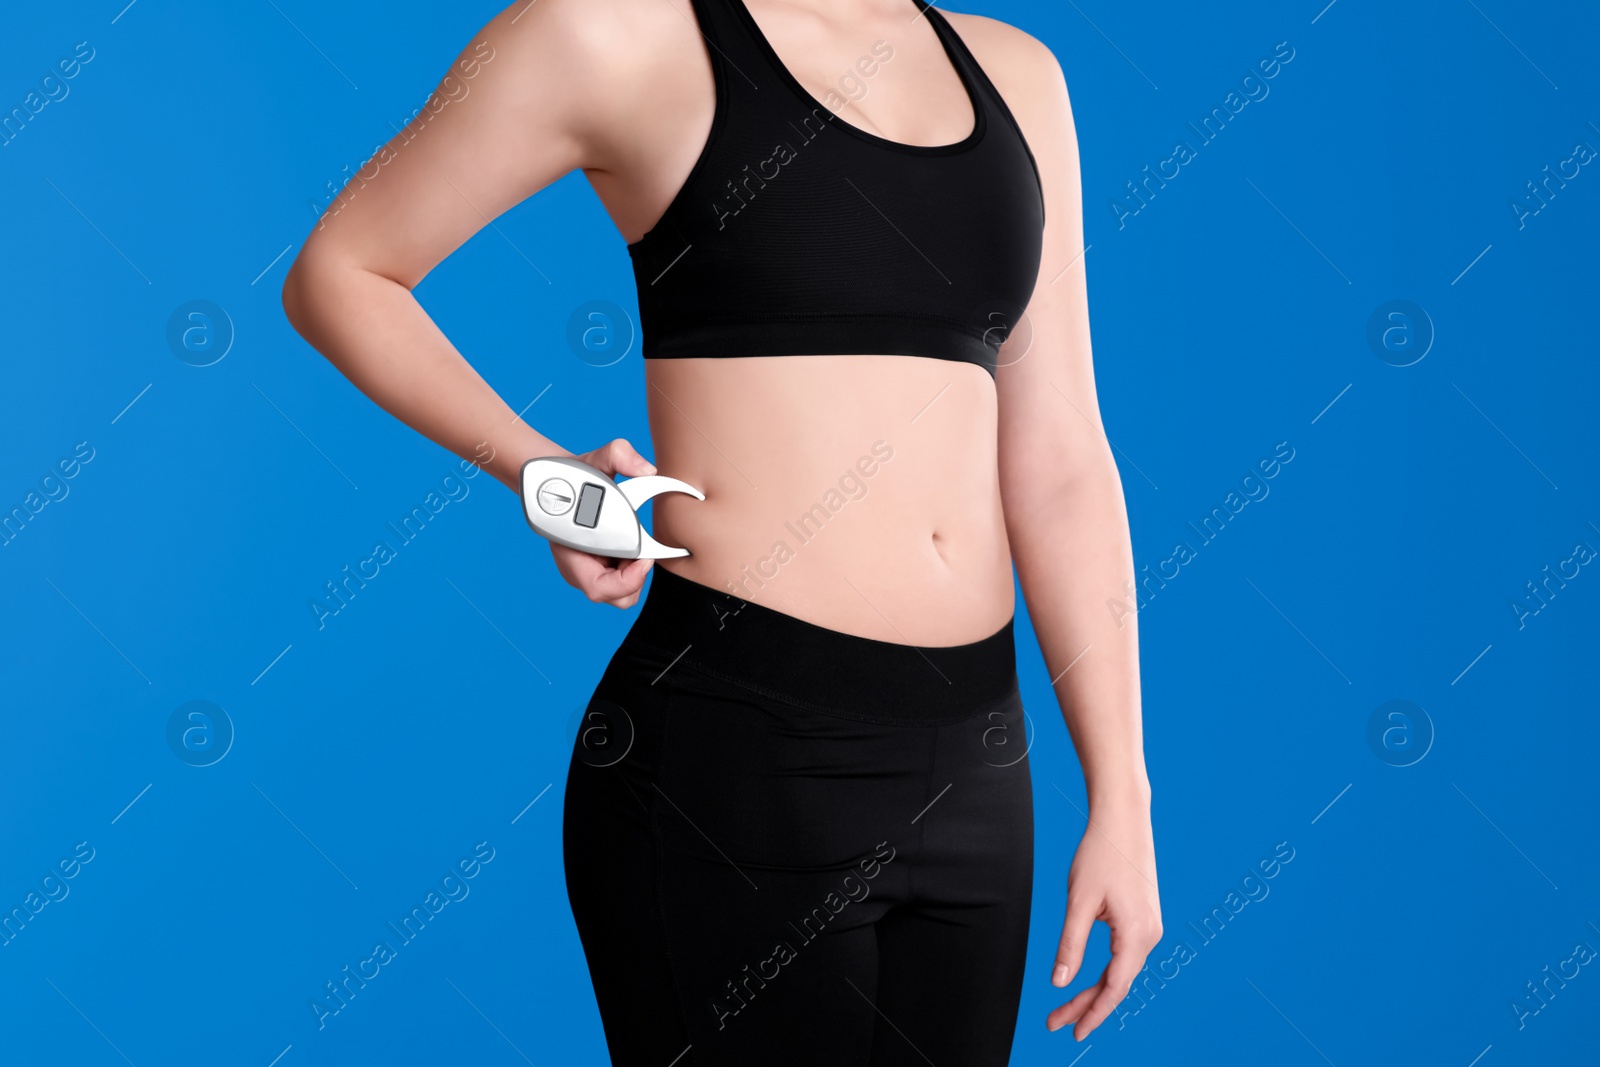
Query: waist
{"points": [[689, 627], [857, 492]]}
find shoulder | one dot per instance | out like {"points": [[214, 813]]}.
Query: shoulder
{"points": [[1000, 47], [1021, 66], [612, 33], [1002, 41], [597, 47], [578, 70]]}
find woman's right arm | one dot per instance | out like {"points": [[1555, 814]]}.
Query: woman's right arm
{"points": [[524, 104]]}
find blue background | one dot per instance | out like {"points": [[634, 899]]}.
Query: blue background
{"points": [[436, 710]]}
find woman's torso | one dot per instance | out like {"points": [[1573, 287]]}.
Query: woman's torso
{"points": [[856, 490]]}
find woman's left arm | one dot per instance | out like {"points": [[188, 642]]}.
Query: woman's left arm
{"points": [[1068, 527]]}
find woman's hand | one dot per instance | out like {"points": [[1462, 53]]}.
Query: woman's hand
{"points": [[1113, 880], [605, 579]]}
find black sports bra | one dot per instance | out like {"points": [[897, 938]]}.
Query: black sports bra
{"points": [[797, 233]]}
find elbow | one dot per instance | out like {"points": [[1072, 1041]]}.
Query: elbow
{"points": [[1082, 463], [1038, 496], [295, 296], [314, 282], [320, 281]]}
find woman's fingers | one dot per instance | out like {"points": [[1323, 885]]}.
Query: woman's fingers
{"points": [[1131, 942], [1073, 1009], [1074, 937], [1126, 962], [620, 457], [598, 580], [620, 585]]}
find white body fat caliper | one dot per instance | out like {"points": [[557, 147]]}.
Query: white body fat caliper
{"points": [[573, 504]]}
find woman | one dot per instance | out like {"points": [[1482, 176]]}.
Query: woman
{"points": [[805, 832]]}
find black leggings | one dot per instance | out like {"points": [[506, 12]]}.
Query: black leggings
{"points": [[789, 845]]}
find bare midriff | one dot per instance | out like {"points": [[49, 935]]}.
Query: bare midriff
{"points": [[859, 493]]}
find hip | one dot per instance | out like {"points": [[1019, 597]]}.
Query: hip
{"points": [[783, 744]]}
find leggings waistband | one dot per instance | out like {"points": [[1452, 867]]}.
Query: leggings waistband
{"points": [[812, 666]]}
